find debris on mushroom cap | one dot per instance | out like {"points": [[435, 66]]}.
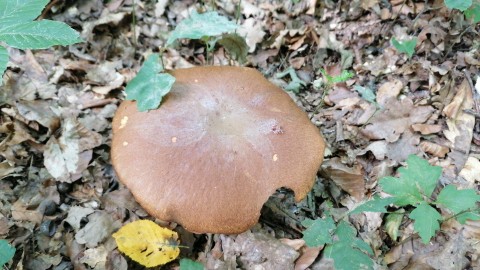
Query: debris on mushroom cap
{"points": [[223, 140]]}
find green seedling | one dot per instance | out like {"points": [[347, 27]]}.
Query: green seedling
{"points": [[414, 187], [341, 243], [6, 252], [150, 84], [405, 46]]}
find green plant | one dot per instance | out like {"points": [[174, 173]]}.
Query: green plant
{"points": [[187, 264], [414, 187], [458, 4], [331, 80], [211, 28], [19, 31], [6, 252], [341, 243], [405, 46], [150, 84]]}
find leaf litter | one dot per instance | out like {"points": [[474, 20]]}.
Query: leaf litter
{"points": [[60, 201]]}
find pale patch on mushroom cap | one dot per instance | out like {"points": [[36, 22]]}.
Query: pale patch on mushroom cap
{"points": [[223, 140]]}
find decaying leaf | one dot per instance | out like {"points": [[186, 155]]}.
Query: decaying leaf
{"points": [[68, 156], [350, 179], [471, 171], [147, 243], [434, 149], [396, 117]]}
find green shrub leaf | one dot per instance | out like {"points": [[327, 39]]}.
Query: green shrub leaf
{"points": [[416, 180], [149, 86], [376, 205], [39, 35], [318, 232], [3, 60], [187, 264], [197, 26], [6, 252], [473, 13], [426, 221], [458, 4], [406, 46], [349, 252], [457, 200], [18, 11], [235, 46]]}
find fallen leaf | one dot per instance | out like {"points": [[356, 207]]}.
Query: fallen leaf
{"points": [[471, 171], [68, 156], [147, 243], [98, 228], [396, 117], [350, 179]]}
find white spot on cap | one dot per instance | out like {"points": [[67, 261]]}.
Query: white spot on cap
{"points": [[125, 143], [275, 157], [195, 80], [123, 122], [174, 139]]}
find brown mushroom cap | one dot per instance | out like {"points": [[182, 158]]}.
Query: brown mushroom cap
{"points": [[223, 140]]}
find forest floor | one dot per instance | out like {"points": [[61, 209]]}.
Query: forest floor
{"points": [[57, 106]]}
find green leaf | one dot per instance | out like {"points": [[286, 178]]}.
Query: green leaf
{"points": [[376, 205], [39, 35], [295, 83], [457, 200], [417, 180], [473, 13], [458, 4], [366, 93], [149, 86], [343, 77], [393, 222], [462, 218], [405, 192], [422, 173], [349, 252], [18, 11], [318, 232], [235, 46], [426, 221], [197, 26], [3, 61], [187, 264], [6, 252], [346, 258], [406, 46]]}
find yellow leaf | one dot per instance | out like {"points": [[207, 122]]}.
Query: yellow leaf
{"points": [[147, 243]]}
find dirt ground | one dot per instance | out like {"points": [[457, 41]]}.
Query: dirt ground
{"points": [[57, 106]]}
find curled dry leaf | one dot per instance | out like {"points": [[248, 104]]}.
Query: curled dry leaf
{"points": [[427, 128], [434, 149], [307, 257], [348, 178], [471, 171]]}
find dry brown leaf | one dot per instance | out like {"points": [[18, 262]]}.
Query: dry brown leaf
{"points": [[350, 179], [307, 257], [471, 171], [426, 129], [396, 117], [389, 90], [460, 124], [297, 244], [68, 156], [434, 149]]}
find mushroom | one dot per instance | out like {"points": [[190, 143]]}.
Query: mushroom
{"points": [[223, 140]]}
